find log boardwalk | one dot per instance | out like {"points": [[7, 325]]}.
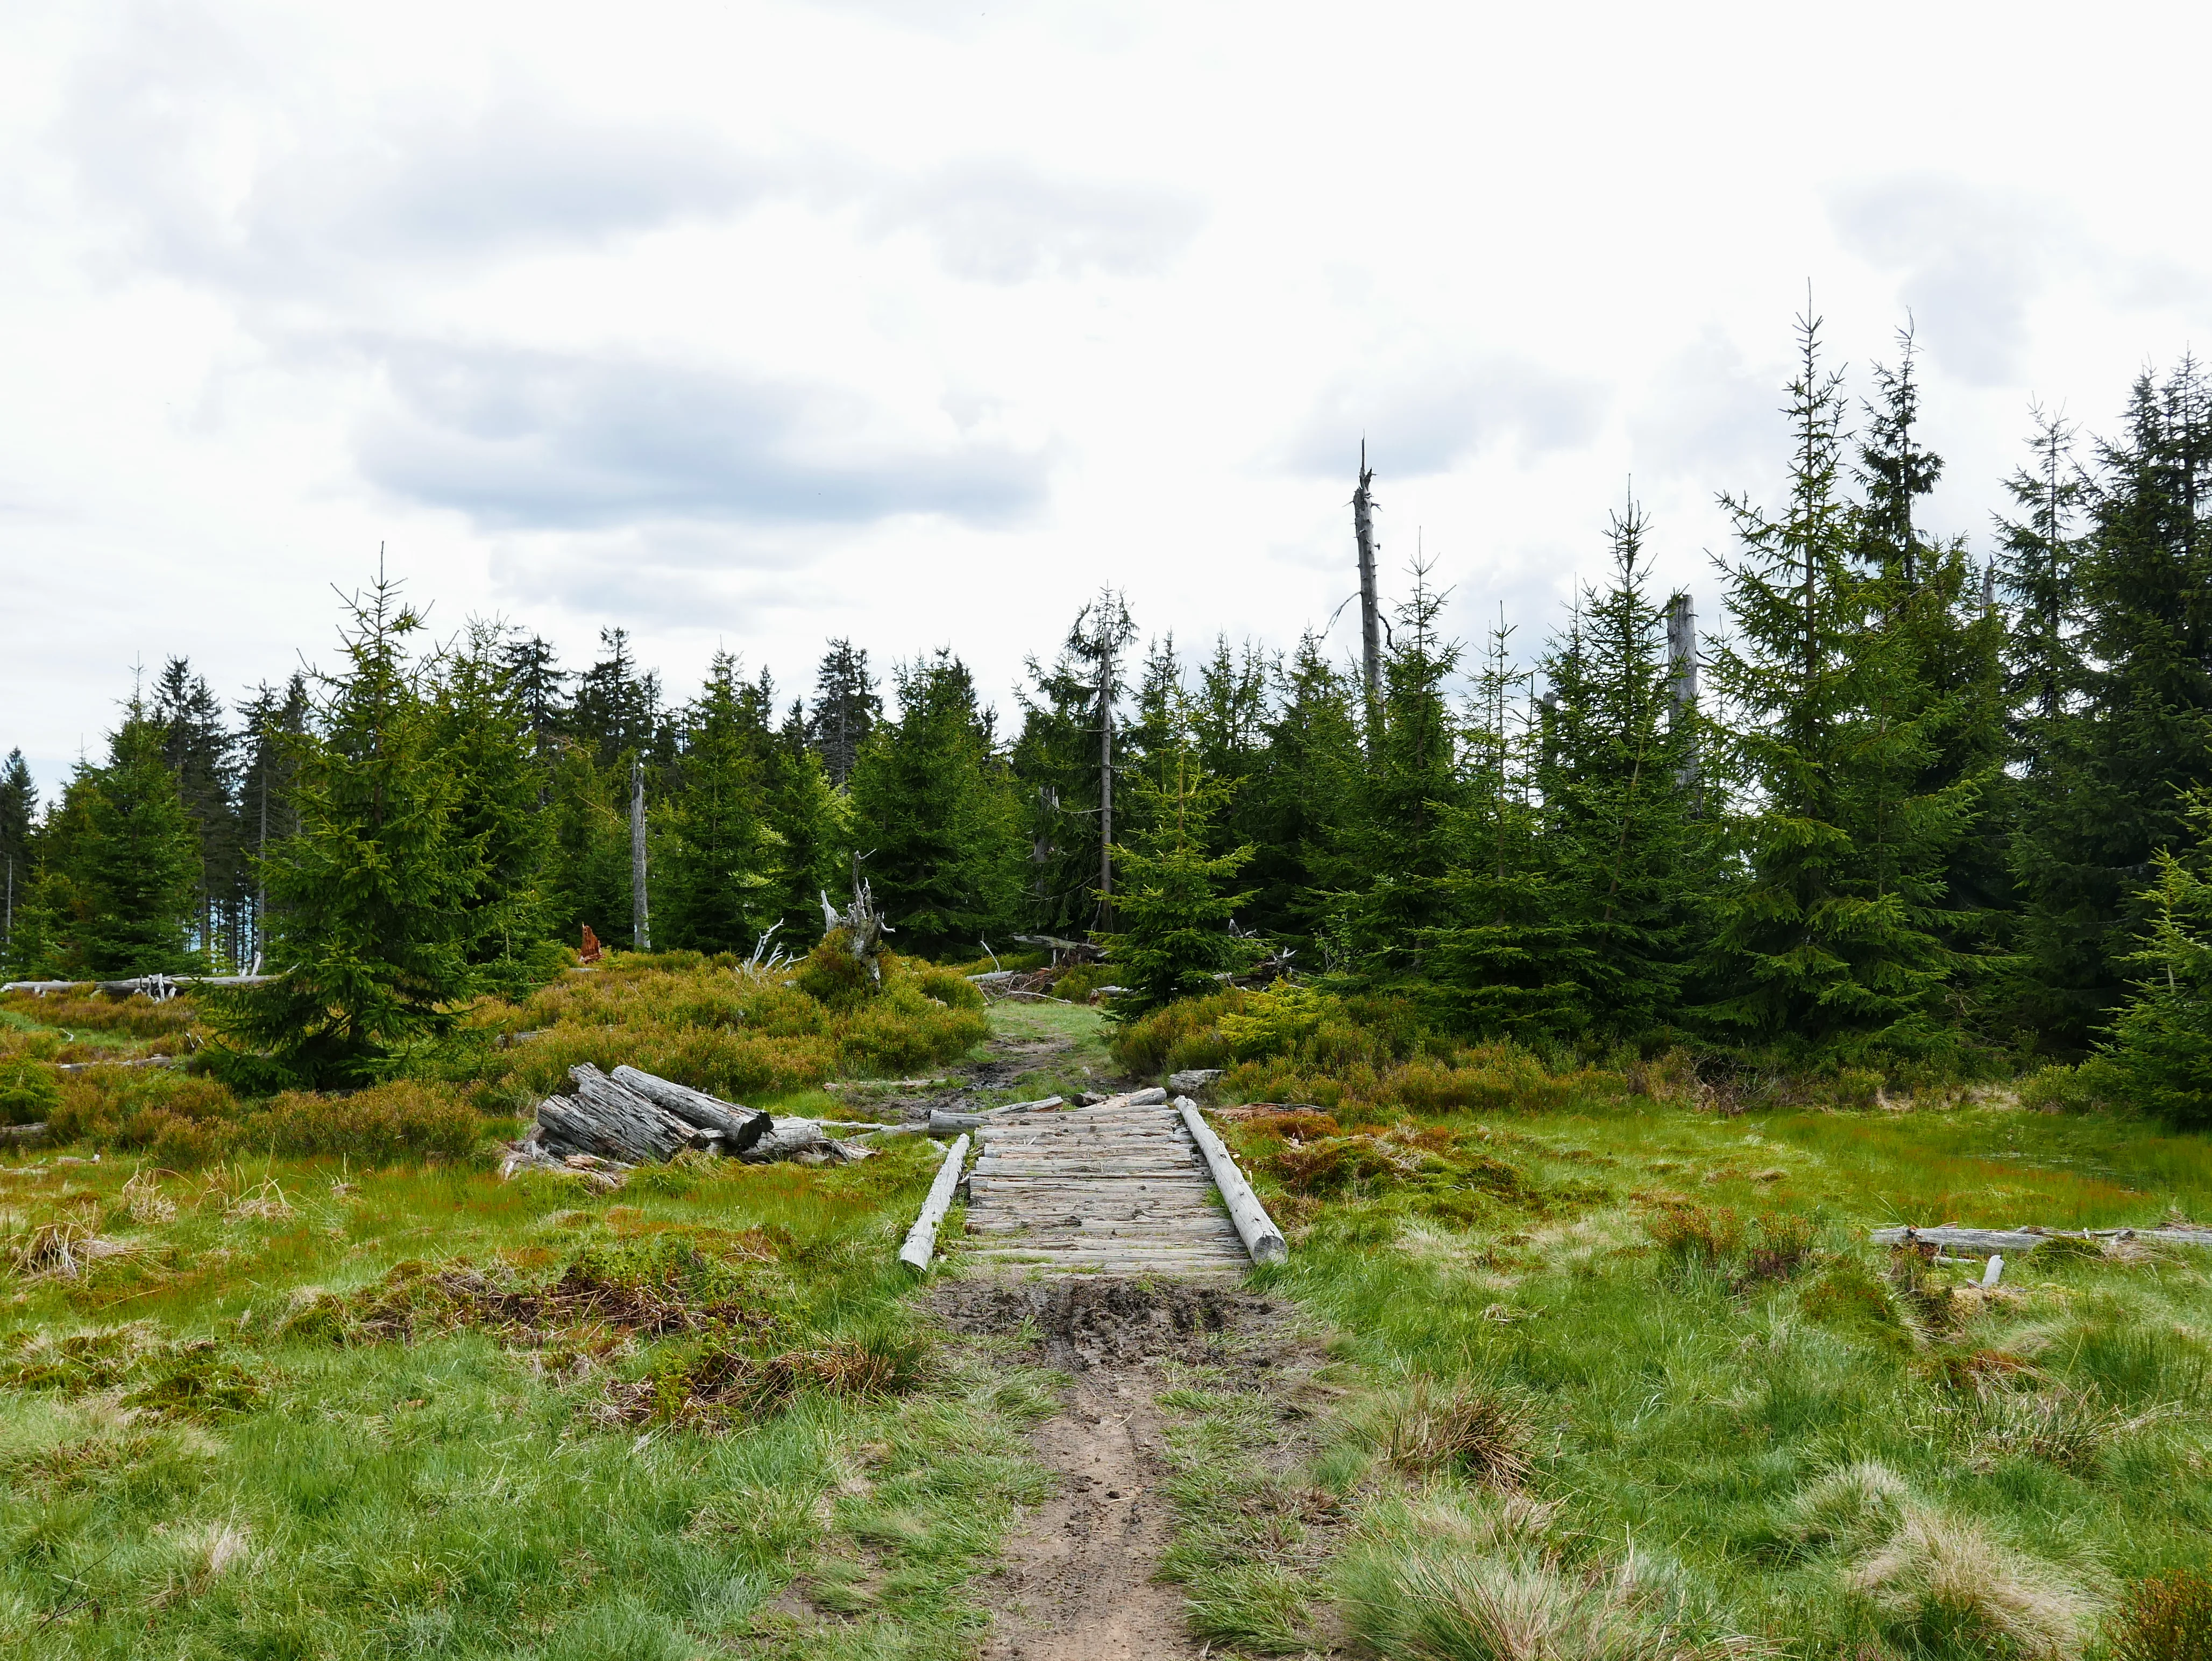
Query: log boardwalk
{"points": [[1118, 1188]]}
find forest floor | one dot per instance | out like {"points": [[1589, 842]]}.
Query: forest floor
{"points": [[1621, 1376]]}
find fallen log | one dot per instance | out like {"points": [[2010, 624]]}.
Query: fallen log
{"points": [[134, 1061], [1982, 1242], [921, 1239], [22, 1136], [153, 985], [1262, 1239], [740, 1127], [614, 1120]]}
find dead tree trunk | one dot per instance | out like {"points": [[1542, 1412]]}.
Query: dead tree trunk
{"points": [[1371, 604], [612, 1120], [640, 911]]}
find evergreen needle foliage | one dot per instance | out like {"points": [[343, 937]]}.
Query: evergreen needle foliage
{"points": [[372, 899]]}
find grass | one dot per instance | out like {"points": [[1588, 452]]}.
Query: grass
{"points": [[1595, 1365]]}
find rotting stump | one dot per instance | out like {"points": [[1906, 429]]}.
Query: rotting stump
{"points": [[1120, 1188]]}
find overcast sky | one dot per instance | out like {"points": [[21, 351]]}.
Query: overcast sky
{"points": [[750, 324]]}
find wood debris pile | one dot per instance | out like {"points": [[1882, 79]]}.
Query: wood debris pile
{"points": [[630, 1118]]}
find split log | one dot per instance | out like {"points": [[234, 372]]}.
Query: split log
{"points": [[921, 1239], [606, 1118], [1262, 1239], [740, 1127]]}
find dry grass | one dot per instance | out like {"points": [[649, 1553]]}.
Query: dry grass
{"points": [[1938, 1578], [1427, 1427], [1851, 1506], [2166, 1617]]}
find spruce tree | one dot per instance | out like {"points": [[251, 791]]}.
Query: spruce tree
{"points": [[483, 730], [936, 826], [616, 711], [121, 891], [717, 893], [1301, 803], [808, 824], [371, 899], [19, 818], [2160, 1050], [1172, 903], [1939, 610], [1404, 836], [1626, 853], [1066, 713], [200, 750], [847, 706], [536, 682], [2119, 756], [587, 876], [1831, 938], [273, 724]]}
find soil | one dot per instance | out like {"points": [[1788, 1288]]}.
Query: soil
{"points": [[1078, 1576]]}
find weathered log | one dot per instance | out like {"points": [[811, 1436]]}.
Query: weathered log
{"points": [[1262, 1239], [1192, 1081], [134, 1061], [1043, 1104], [153, 986], [22, 1136], [609, 1118], [942, 1123], [739, 1126], [921, 1239], [1984, 1242]]}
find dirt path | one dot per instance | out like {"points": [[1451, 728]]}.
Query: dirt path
{"points": [[1078, 1573]]}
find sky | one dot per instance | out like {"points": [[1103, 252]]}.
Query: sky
{"points": [[744, 325]]}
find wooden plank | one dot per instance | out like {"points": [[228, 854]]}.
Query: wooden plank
{"points": [[921, 1239]]}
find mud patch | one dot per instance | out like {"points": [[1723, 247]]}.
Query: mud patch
{"points": [[1079, 1575], [1088, 1322]]}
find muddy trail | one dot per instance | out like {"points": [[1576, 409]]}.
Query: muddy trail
{"points": [[1077, 1578]]}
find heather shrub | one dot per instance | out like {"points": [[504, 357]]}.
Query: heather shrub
{"points": [[399, 1120], [30, 1091]]}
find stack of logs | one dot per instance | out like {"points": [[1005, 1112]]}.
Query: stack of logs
{"points": [[632, 1118]]}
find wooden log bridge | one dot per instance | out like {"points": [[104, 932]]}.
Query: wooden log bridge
{"points": [[1120, 1188]]}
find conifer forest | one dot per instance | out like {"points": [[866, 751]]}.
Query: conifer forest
{"points": [[1925, 810], [1641, 1135]]}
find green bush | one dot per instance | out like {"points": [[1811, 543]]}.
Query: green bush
{"points": [[30, 1091], [404, 1119]]}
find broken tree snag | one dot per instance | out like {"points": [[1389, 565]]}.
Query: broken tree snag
{"points": [[1262, 1239], [921, 1239], [863, 925], [612, 1119]]}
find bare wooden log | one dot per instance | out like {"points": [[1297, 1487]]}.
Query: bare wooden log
{"points": [[133, 1061], [22, 1136], [942, 1123], [152, 984], [740, 1127], [786, 1139], [921, 1239], [1982, 1242], [612, 1119], [1262, 1239]]}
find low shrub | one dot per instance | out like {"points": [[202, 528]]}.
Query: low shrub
{"points": [[139, 1015], [401, 1119], [2166, 1617], [30, 1091], [182, 1120], [2063, 1089]]}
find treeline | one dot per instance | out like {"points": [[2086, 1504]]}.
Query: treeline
{"points": [[1907, 808]]}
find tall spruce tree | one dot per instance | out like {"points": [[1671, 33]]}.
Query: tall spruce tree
{"points": [[616, 711], [1300, 807], [718, 891], [272, 724], [371, 899], [2117, 757], [936, 826], [200, 750], [120, 891], [1940, 608], [1404, 836], [1067, 711], [1173, 906], [481, 726], [808, 822], [847, 706], [1627, 853], [1831, 938], [18, 818]]}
